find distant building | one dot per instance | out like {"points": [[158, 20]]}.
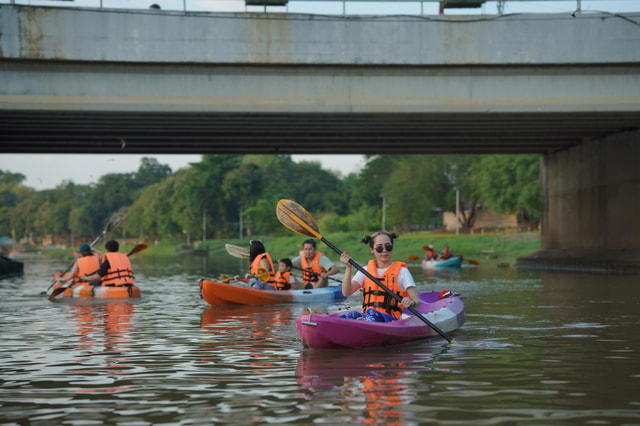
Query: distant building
{"points": [[490, 221]]}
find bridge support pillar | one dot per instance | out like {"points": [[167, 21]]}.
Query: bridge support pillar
{"points": [[591, 206]]}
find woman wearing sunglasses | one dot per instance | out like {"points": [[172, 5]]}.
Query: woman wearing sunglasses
{"points": [[378, 305]]}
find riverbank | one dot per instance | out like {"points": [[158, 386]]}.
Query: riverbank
{"points": [[503, 247], [499, 247]]}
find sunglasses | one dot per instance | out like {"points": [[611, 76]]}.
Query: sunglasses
{"points": [[387, 247]]}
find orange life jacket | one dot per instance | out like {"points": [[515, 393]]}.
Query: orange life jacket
{"points": [[446, 254], [120, 272], [283, 280], [311, 271], [255, 265], [87, 265], [375, 297], [431, 254]]}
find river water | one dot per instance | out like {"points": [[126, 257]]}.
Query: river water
{"points": [[538, 348]]}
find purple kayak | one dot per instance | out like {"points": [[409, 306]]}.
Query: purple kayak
{"points": [[329, 331]]}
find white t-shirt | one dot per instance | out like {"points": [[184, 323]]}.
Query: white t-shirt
{"points": [[405, 279]]}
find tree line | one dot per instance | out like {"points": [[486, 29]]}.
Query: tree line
{"points": [[226, 196]]}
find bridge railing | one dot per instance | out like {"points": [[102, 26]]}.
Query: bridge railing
{"points": [[355, 7]]}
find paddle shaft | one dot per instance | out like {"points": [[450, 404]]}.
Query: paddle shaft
{"points": [[386, 289], [93, 243], [316, 274]]}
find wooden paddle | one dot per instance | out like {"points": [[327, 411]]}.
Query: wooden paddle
{"points": [[236, 251], [294, 217], [115, 220], [137, 249], [317, 274]]}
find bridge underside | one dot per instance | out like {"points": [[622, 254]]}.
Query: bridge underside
{"points": [[304, 133], [139, 81]]}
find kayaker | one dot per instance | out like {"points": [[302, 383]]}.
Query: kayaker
{"points": [[316, 266], [260, 259], [377, 304], [87, 263], [445, 253], [430, 253], [115, 268], [284, 279]]}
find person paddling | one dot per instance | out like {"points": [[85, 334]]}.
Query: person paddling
{"points": [[115, 268], [316, 267], [260, 260], [86, 264], [378, 305]]}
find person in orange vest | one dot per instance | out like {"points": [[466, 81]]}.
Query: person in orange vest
{"points": [[316, 267], [115, 268], [87, 263], [284, 279], [446, 253], [430, 253], [377, 304], [260, 259]]}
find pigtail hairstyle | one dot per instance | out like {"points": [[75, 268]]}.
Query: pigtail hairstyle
{"points": [[368, 239]]}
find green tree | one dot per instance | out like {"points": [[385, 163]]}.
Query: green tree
{"points": [[150, 172], [510, 183], [201, 191], [112, 193], [12, 192]]}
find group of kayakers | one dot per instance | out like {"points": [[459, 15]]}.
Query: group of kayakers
{"points": [[114, 269], [315, 267], [432, 254]]}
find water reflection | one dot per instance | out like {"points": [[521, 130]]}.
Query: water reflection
{"points": [[243, 322], [106, 324], [375, 384]]}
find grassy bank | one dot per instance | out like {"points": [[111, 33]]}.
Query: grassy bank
{"points": [[503, 246]]}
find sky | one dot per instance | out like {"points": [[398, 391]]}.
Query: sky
{"points": [[47, 171]]}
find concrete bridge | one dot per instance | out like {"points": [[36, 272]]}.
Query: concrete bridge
{"points": [[566, 87]]}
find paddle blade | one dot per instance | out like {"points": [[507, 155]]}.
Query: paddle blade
{"points": [[413, 257], [294, 217], [263, 275], [473, 262], [236, 251], [115, 220], [137, 249]]}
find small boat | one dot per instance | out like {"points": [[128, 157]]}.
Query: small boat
{"points": [[10, 267], [329, 331], [218, 293], [453, 262], [98, 292]]}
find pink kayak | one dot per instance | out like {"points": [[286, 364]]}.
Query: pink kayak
{"points": [[327, 331]]}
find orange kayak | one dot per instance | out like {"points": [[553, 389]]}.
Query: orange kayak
{"points": [[217, 293], [98, 292]]}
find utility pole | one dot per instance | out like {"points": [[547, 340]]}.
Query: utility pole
{"points": [[240, 230], [457, 211], [384, 212]]}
